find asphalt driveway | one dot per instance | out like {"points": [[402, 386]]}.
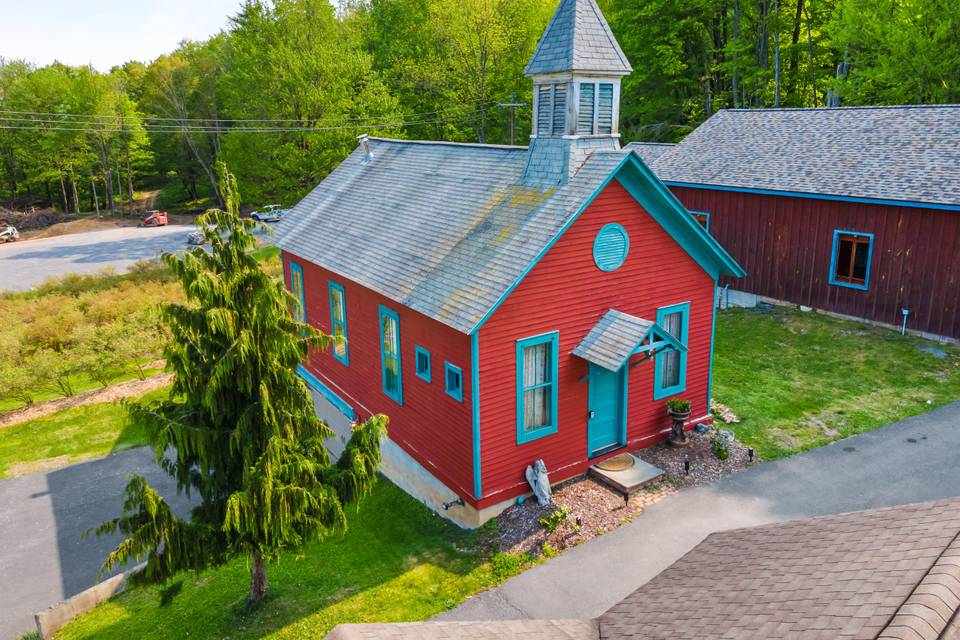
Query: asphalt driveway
{"points": [[43, 557], [25, 264], [909, 461]]}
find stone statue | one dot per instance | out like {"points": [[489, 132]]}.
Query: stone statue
{"points": [[539, 482]]}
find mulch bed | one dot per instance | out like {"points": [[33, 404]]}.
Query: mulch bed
{"points": [[594, 509]]}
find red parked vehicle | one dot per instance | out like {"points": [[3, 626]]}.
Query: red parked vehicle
{"points": [[155, 219]]}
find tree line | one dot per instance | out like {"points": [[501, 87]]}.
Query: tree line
{"points": [[282, 93]]}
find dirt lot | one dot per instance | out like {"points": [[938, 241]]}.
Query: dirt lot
{"points": [[48, 223]]}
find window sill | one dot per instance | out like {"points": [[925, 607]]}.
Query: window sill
{"points": [[850, 285], [524, 437]]}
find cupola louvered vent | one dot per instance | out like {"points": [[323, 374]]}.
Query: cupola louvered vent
{"points": [[611, 247]]}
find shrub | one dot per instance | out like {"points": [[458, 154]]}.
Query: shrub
{"points": [[553, 521], [506, 565], [678, 405], [548, 550], [720, 446]]}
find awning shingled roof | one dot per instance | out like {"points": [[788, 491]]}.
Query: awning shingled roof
{"points": [[616, 337]]}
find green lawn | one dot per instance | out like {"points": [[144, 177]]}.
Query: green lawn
{"points": [[397, 562], [800, 380], [66, 437]]}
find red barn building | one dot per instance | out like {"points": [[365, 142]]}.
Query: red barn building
{"points": [[508, 304], [853, 210]]}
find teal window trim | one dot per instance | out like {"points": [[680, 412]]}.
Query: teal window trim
{"points": [[396, 394], [553, 339], [659, 391], [606, 235], [423, 374], [455, 391], [342, 326], [327, 392], [706, 215], [296, 269], [836, 251]]}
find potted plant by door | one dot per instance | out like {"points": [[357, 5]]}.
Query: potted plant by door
{"points": [[679, 411]]}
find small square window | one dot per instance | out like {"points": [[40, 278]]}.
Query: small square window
{"points": [[453, 381], [423, 364], [703, 218]]}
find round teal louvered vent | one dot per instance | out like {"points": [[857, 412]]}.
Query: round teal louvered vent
{"points": [[611, 247]]}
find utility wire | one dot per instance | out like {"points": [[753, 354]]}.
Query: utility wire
{"points": [[121, 119]]}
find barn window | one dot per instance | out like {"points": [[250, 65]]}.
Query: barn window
{"points": [[850, 262], [338, 322], [537, 386], [423, 364], [453, 381], [703, 218], [390, 354], [296, 287], [610, 247], [671, 366]]}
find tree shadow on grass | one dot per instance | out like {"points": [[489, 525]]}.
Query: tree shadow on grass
{"points": [[397, 561]]}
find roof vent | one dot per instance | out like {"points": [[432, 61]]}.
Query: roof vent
{"points": [[364, 141]]}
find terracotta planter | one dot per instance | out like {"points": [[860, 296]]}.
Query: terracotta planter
{"points": [[678, 437]]}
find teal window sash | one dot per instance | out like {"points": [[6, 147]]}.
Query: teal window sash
{"points": [[834, 254], [660, 390], [298, 289], [390, 361], [338, 322], [552, 341], [453, 381], [702, 218], [422, 360]]}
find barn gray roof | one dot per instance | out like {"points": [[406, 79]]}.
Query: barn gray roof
{"points": [[907, 154], [442, 228], [614, 338], [650, 152], [578, 38]]}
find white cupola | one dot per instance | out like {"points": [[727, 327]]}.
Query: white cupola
{"points": [[576, 72]]}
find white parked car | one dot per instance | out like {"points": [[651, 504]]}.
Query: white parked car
{"points": [[8, 234], [270, 213]]}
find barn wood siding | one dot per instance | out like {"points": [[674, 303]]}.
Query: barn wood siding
{"points": [[567, 292], [432, 427], [785, 244]]}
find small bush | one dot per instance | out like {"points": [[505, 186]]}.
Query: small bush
{"points": [[548, 550], [720, 446], [553, 521], [506, 565], [678, 405]]}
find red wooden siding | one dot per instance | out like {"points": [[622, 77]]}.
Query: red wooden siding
{"points": [[567, 292], [431, 426], [785, 244]]}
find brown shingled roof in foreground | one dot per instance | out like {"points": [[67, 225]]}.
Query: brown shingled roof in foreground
{"points": [[482, 630], [887, 573], [872, 575]]}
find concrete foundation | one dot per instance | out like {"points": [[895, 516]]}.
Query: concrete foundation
{"points": [[404, 471]]}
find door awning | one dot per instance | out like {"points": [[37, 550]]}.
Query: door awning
{"points": [[618, 335]]}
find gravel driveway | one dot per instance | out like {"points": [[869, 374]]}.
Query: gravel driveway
{"points": [[27, 263]]}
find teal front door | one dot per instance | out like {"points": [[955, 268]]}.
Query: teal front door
{"points": [[606, 421]]}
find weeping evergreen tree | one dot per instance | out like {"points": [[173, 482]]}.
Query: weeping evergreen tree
{"points": [[239, 430]]}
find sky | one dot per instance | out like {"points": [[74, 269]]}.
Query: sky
{"points": [[105, 33]]}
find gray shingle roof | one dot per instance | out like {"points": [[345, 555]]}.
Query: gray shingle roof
{"points": [[578, 38], [481, 630], [442, 228], [650, 152], [890, 153], [886, 573], [612, 340]]}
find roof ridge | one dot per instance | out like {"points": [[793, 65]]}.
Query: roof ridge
{"points": [[911, 610], [482, 145], [871, 107]]}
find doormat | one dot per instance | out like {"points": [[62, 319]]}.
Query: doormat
{"points": [[617, 463]]}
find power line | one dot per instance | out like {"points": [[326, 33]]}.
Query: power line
{"points": [[123, 118]]}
